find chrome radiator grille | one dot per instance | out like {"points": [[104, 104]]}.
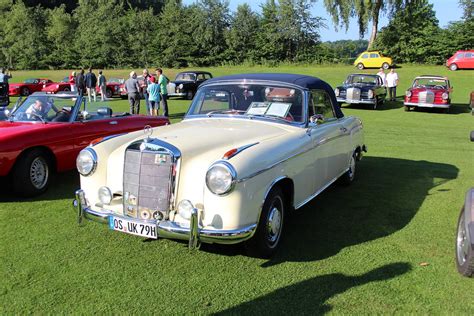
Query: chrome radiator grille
{"points": [[148, 181], [426, 97], [353, 94]]}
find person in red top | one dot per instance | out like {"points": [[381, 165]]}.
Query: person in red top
{"points": [[72, 81]]}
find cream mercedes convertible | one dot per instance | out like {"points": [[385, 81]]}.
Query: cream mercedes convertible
{"points": [[250, 149]]}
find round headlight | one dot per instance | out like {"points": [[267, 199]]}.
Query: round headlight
{"points": [[86, 162], [408, 93], [220, 178], [185, 208], [445, 96], [105, 195], [181, 86], [370, 94], [336, 92]]}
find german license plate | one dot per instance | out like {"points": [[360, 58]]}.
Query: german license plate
{"points": [[133, 227]]}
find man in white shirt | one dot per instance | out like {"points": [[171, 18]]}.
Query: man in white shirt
{"points": [[392, 83], [382, 75]]}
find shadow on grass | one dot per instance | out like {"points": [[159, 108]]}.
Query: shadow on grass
{"points": [[387, 105], [62, 186], [310, 296], [384, 198]]}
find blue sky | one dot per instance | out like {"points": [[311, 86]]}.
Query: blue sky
{"points": [[446, 11]]}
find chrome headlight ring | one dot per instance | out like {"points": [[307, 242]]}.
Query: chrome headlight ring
{"points": [[221, 177], [337, 92], [86, 161]]}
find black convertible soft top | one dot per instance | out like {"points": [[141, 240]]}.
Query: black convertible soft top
{"points": [[303, 81]]}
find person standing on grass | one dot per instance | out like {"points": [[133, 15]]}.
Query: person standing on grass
{"points": [[163, 81], [144, 86], [91, 83], [80, 83], [102, 86], [392, 83], [72, 81], [382, 75], [4, 79], [154, 97], [132, 87]]}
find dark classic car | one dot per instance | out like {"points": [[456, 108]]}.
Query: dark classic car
{"points": [[362, 89], [186, 83], [29, 86], [429, 92], [465, 234], [45, 133]]}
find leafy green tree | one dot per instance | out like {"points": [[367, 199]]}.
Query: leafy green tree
{"points": [[141, 31], [241, 37], [173, 36], [23, 44], [468, 9], [412, 34], [60, 33], [270, 41]]}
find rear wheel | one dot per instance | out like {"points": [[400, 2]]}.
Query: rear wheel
{"points": [[270, 225], [67, 89], [453, 67], [25, 91], [32, 173], [464, 253], [348, 177], [385, 66], [189, 95], [360, 66]]}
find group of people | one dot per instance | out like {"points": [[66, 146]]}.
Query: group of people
{"points": [[153, 89], [390, 81], [88, 82]]}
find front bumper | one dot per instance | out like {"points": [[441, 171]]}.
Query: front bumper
{"points": [[427, 105], [168, 229], [361, 101]]}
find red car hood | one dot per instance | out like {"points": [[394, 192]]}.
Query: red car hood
{"points": [[15, 85], [436, 91]]}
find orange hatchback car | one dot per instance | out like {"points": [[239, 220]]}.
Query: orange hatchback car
{"points": [[462, 59]]}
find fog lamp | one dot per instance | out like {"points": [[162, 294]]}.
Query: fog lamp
{"points": [[336, 92], [445, 96], [105, 195], [185, 208], [408, 93]]}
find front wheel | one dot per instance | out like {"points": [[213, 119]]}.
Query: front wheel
{"points": [[270, 226], [25, 91], [360, 66], [67, 89], [464, 253], [189, 95], [453, 67], [108, 93], [32, 173]]}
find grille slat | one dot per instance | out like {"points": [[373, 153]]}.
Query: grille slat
{"points": [[353, 94]]}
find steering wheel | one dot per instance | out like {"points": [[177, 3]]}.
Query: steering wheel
{"points": [[289, 117], [439, 87]]}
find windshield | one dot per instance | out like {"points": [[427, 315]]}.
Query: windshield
{"points": [[250, 100], [185, 77], [31, 80], [435, 83], [44, 109], [363, 79], [116, 80]]}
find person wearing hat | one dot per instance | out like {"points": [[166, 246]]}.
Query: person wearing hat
{"points": [[153, 91]]}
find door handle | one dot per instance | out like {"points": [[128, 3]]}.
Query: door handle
{"points": [[113, 122]]}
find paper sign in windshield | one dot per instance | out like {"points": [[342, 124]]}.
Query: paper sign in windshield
{"points": [[269, 108]]}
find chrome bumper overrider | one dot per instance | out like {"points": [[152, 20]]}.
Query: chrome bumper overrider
{"points": [[168, 229]]}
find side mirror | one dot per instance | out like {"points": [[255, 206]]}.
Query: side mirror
{"points": [[317, 119]]}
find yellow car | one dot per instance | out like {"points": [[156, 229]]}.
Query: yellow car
{"points": [[372, 60]]}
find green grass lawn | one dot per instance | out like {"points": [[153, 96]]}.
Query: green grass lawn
{"points": [[382, 245]]}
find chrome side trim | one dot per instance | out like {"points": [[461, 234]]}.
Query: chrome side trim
{"points": [[320, 190], [106, 138]]}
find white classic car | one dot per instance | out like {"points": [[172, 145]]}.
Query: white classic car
{"points": [[250, 149]]}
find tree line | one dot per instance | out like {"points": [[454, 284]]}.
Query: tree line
{"points": [[137, 33]]}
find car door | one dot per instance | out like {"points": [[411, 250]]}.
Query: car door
{"points": [[374, 60], [469, 60], [381, 90], [328, 138]]}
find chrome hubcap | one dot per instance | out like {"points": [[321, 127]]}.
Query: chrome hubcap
{"points": [[275, 221], [39, 172], [462, 242]]}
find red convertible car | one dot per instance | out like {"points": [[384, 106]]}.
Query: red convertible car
{"points": [[113, 87], [56, 87], [429, 92], [28, 86], [46, 132]]}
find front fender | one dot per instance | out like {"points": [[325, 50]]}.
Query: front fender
{"points": [[469, 214]]}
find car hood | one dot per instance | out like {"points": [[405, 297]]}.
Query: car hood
{"points": [[15, 85], [357, 85], [418, 90]]}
